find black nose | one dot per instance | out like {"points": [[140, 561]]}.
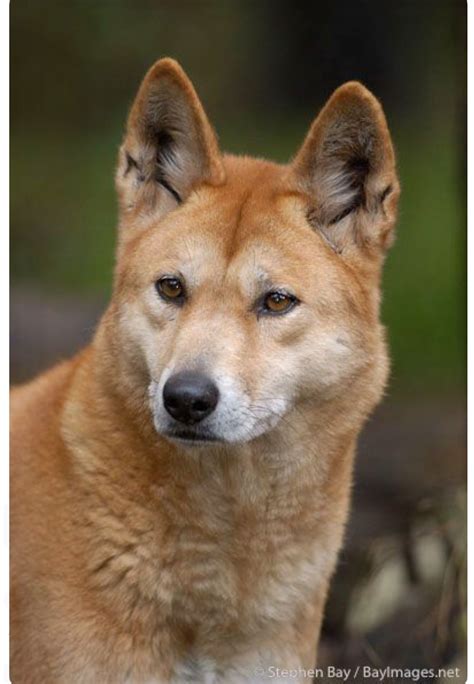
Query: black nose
{"points": [[190, 396]]}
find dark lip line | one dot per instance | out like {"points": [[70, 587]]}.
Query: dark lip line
{"points": [[183, 437]]}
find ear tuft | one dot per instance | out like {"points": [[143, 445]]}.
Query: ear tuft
{"points": [[347, 167]]}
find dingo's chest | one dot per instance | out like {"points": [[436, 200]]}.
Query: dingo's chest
{"points": [[232, 564]]}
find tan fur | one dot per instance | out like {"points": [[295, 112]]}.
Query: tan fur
{"points": [[135, 558]]}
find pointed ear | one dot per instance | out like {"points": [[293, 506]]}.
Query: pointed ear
{"points": [[169, 145], [346, 166]]}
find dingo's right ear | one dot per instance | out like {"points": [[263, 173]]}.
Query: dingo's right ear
{"points": [[169, 145]]}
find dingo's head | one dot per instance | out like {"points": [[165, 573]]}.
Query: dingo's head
{"points": [[245, 289]]}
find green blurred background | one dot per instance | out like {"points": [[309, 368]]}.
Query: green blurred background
{"points": [[263, 69]]}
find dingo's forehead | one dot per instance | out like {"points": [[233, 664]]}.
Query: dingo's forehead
{"points": [[253, 229]]}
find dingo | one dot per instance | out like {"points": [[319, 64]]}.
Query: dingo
{"points": [[180, 488]]}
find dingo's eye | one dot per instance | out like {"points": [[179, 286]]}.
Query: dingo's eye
{"points": [[170, 289], [277, 302]]}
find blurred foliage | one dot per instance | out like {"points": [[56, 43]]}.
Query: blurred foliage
{"points": [[262, 68]]}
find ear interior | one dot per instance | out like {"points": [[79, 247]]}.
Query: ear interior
{"points": [[161, 168], [347, 167], [169, 146]]}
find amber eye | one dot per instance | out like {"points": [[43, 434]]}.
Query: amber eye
{"points": [[170, 289], [278, 302]]}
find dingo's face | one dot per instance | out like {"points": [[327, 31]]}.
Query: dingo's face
{"points": [[246, 289]]}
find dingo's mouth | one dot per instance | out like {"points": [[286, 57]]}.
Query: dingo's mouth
{"points": [[191, 437]]}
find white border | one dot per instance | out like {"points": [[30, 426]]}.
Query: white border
{"points": [[4, 339]]}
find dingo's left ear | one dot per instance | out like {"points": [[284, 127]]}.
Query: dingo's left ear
{"points": [[346, 165], [169, 145]]}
